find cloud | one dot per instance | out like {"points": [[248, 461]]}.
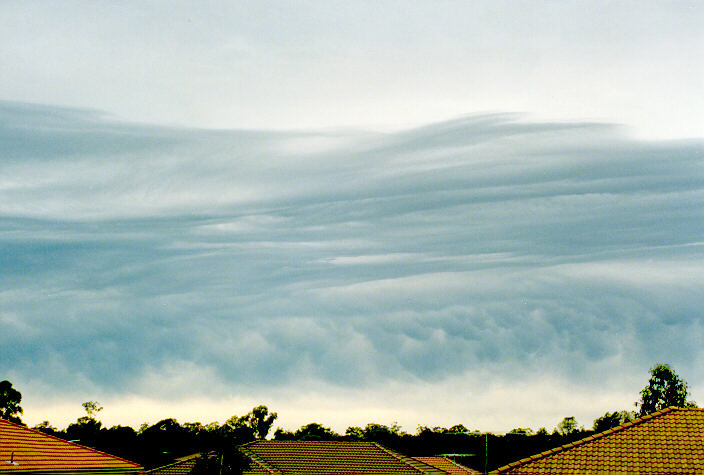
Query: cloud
{"points": [[255, 65], [138, 260]]}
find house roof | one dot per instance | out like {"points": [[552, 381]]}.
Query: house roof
{"points": [[182, 466], [668, 441], [329, 457], [447, 465], [31, 451]]}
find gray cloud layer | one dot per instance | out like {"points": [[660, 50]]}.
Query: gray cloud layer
{"points": [[313, 63], [481, 244]]}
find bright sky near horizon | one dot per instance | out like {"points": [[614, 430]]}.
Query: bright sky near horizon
{"points": [[430, 212]]}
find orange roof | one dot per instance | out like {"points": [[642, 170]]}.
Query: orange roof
{"points": [[668, 441], [329, 457], [32, 451], [449, 466]]}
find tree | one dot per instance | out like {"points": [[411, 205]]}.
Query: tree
{"points": [[261, 421], [165, 440], [46, 427], [256, 423], [665, 388], [10, 399], [567, 426], [376, 432], [92, 408], [315, 431], [355, 433], [86, 428], [457, 429], [612, 419]]}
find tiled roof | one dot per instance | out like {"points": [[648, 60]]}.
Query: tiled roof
{"points": [[449, 466], [35, 452], [670, 441], [182, 466], [329, 457]]}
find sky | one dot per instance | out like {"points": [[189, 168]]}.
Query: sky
{"points": [[430, 213]]}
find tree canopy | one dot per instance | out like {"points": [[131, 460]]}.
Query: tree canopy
{"points": [[86, 428], [612, 419], [255, 425], [567, 426], [664, 389], [10, 399]]}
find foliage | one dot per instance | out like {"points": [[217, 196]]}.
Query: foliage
{"points": [[261, 421], [456, 429], [254, 425], [665, 388], [315, 431], [92, 408], [46, 427], [375, 432], [10, 399], [86, 429], [612, 419], [161, 443], [567, 426]]}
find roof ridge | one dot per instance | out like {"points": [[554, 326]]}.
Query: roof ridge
{"points": [[416, 464], [242, 448], [449, 460], [588, 438], [177, 462], [20, 426], [459, 465]]}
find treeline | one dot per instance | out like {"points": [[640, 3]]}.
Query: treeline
{"points": [[161, 443]]}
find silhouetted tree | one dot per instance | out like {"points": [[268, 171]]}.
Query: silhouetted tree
{"points": [[254, 425], [165, 441], [388, 435], [261, 420], [612, 419], [92, 408], [10, 399], [665, 388], [315, 431], [86, 429], [46, 427], [567, 426], [457, 429]]}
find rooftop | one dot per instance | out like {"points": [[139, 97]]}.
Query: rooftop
{"points": [[330, 457], [668, 441], [447, 465], [28, 450]]}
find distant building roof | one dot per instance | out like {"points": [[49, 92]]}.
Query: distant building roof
{"points": [[668, 441], [24, 450], [182, 466], [329, 457], [447, 465]]}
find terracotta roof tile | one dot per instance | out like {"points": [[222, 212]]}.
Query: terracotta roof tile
{"points": [[447, 465], [330, 457], [34, 451], [182, 466], [668, 441]]}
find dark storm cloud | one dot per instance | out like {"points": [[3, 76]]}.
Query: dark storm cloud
{"points": [[351, 258]]}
